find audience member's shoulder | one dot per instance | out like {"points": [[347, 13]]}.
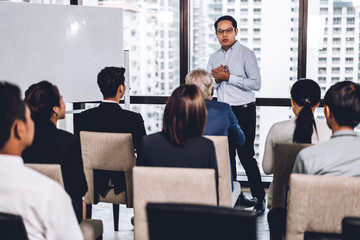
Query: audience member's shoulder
{"points": [[217, 104], [153, 137], [132, 115]]}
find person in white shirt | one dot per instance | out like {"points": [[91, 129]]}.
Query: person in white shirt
{"points": [[42, 203], [305, 128]]}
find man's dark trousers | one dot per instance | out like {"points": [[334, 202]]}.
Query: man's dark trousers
{"points": [[246, 117]]}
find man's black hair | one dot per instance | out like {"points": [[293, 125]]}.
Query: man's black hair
{"points": [[226, 17], [11, 108], [109, 79], [343, 99]]}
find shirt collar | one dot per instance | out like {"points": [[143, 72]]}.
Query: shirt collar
{"points": [[344, 133], [11, 160], [109, 101], [236, 44]]}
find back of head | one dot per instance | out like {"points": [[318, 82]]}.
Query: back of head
{"points": [[225, 17], [202, 79], [305, 93], [41, 98], [11, 107], [343, 100], [109, 79], [184, 115]]}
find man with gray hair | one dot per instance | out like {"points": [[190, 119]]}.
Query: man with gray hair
{"points": [[221, 120]]}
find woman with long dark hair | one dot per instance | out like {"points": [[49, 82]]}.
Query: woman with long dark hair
{"points": [[181, 144], [52, 145], [304, 128]]}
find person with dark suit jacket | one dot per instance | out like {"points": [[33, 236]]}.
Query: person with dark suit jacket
{"points": [[221, 120], [110, 117], [55, 146], [181, 144]]}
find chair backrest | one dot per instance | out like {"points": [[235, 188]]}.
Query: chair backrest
{"points": [[319, 204], [12, 227], [52, 171], [223, 162], [107, 151], [193, 222], [284, 159], [174, 185]]}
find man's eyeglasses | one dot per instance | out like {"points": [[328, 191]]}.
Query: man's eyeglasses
{"points": [[227, 31]]}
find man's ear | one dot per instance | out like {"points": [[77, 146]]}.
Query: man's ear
{"points": [[18, 129], [327, 112], [236, 31]]}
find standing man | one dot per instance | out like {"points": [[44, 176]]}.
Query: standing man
{"points": [[236, 73]]}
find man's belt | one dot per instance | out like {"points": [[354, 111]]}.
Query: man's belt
{"points": [[245, 105]]}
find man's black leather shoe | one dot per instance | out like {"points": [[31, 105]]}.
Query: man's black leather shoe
{"points": [[259, 207], [245, 202]]}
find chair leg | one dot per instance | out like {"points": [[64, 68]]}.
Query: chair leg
{"points": [[116, 210], [88, 211]]}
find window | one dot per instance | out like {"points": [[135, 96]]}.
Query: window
{"points": [[336, 50], [350, 50], [350, 10], [350, 30], [243, 31], [323, 11], [231, 10], [334, 80], [348, 78], [256, 31], [337, 21], [335, 70], [336, 30], [257, 21], [335, 60], [350, 20], [349, 60], [349, 70], [322, 70], [243, 11], [349, 40], [243, 21], [322, 60], [257, 10], [336, 40], [323, 1], [337, 10], [321, 79]]}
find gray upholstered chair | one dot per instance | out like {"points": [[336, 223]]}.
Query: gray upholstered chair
{"points": [[91, 228], [227, 198], [318, 204], [284, 159], [108, 151], [173, 185]]}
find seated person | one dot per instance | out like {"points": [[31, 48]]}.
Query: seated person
{"points": [[52, 145], [220, 118], [110, 117], [41, 202], [304, 128], [181, 144], [340, 156]]}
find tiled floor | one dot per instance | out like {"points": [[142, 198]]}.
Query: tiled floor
{"points": [[103, 211]]}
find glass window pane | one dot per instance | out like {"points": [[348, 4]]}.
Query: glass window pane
{"points": [[151, 33], [341, 59], [277, 56]]}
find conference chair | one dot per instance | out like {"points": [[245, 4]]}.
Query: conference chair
{"points": [[193, 222], [12, 227], [91, 228], [227, 198], [173, 185], [318, 204], [284, 159], [112, 152]]}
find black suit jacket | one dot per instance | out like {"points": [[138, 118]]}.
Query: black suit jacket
{"points": [[55, 146], [110, 117]]}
